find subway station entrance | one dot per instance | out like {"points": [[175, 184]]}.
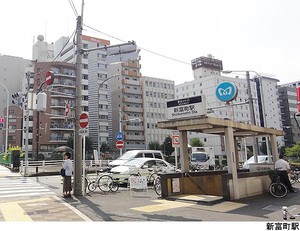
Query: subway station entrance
{"points": [[232, 184]]}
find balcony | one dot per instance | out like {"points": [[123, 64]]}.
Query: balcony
{"points": [[132, 91], [131, 100], [134, 137], [130, 64], [131, 82], [130, 73], [133, 128], [133, 109]]}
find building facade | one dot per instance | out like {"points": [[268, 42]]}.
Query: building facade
{"points": [[127, 105], [288, 107], [96, 98], [156, 93]]}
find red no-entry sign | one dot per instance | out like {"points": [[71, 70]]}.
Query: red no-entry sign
{"points": [[119, 144], [49, 77], [83, 120]]}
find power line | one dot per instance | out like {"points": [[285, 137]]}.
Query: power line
{"points": [[73, 8], [153, 52]]}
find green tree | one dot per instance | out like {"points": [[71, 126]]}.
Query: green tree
{"points": [[88, 144], [104, 147], [196, 142], [294, 151], [154, 145], [166, 147]]}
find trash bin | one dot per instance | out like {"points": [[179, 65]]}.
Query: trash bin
{"points": [[15, 159]]}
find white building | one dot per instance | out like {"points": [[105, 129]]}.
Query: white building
{"points": [[207, 76], [156, 93]]}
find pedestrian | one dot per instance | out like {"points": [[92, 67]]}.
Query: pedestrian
{"points": [[283, 168], [67, 186]]}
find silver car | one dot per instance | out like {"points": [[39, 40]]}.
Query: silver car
{"points": [[141, 166]]}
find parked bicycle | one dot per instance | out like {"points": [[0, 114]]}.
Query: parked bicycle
{"points": [[157, 185], [104, 182], [295, 176], [277, 188]]}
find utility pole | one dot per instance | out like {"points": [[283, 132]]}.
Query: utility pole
{"points": [[78, 139], [252, 116]]}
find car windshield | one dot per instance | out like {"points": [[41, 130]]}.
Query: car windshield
{"points": [[198, 157], [127, 155], [259, 159], [135, 162]]}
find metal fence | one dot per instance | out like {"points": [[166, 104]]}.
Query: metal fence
{"points": [[54, 166]]}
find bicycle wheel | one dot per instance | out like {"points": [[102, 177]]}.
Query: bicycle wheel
{"points": [[157, 185], [114, 186], [278, 190], [151, 178], [104, 183], [92, 186]]}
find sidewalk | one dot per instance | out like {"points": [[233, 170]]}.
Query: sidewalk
{"points": [[32, 206]]}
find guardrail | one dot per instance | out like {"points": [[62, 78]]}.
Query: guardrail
{"points": [[53, 166]]}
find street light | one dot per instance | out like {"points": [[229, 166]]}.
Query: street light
{"points": [[6, 122], [251, 108], [100, 85]]}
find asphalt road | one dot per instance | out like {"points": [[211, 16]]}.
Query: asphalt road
{"points": [[126, 205]]}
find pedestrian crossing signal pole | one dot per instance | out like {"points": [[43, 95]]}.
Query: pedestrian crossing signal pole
{"points": [[77, 155]]}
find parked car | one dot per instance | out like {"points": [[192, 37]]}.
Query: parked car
{"points": [[143, 166], [260, 159], [129, 155]]}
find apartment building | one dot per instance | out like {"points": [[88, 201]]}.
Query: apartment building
{"points": [[96, 98], [288, 108], [156, 93], [127, 105]]}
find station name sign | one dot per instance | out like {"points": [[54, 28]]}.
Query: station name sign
{"points": [[186, 107]]}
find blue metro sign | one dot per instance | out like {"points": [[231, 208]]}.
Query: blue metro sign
{"points": [[226, 91]]}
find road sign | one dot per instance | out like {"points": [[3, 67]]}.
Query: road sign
{"points": [[83, 120], [175, 141], [226, 91], [49, 77], [1, 120], [83, 132], [119, 136], [119, 144]]}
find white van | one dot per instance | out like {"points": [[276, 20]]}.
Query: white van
{"points": [[129, 155], [261, 159]]}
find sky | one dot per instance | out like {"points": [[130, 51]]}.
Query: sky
{"points": [[262, 36]]}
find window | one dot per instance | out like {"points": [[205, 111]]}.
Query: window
{"points": [[148, 155]]}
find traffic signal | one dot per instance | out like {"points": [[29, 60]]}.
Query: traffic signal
{"points": [[15, 97]]}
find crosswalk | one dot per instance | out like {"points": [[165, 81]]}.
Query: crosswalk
{"points": [[12, 187]]}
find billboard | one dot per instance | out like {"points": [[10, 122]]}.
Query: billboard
{"points": [[186, 107]]}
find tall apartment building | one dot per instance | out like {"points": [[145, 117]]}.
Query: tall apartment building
{"points": [[127, 104], [207, 76], [95, 95], [51, 129], [12, 71], [268, 104], [156, 93], [288, 107]]}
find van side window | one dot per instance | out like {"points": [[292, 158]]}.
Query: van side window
{"points": [[148, 155], [157, 155], [139, 155]]}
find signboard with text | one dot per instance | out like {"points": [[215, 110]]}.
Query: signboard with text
{"points": [[186, 107]]}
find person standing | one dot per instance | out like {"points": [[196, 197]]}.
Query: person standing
{"points": [[283, 168], [67, 186]]}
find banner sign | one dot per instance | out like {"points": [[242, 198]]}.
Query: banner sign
{"points": [[186, 107]]}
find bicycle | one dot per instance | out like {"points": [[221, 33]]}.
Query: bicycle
{"points": [[157, 185], [277, 188], [295, 176], [104, 182]]}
